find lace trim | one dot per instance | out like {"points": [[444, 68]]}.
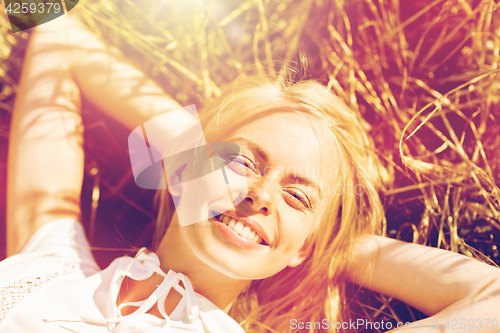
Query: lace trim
{"points": [[13, 293]]}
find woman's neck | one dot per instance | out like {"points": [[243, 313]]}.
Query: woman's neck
{"points": [[137, 290]]}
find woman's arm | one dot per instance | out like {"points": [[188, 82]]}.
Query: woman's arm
{"points": [[106, 79], [45, 167], [442, 284], [45, 163]]}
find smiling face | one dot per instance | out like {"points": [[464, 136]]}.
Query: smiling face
{"points": [[286, 160]]}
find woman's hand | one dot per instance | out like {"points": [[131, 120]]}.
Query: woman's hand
{"points": [[45, 167], [449, 287]]}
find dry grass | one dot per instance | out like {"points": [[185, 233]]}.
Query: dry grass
{"points": [[423, 75]]}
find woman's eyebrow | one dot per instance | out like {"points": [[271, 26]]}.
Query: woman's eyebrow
{"points": [[255, 148], [307, 182]]}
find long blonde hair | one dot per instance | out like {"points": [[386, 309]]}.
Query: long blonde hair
{"points": [[312, 291]]}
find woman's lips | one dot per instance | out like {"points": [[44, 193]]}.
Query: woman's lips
{"points": [[245, 221], [241, 228], [231, 236]]}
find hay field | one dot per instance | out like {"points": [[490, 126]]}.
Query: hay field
{"points": [[423, 75]]}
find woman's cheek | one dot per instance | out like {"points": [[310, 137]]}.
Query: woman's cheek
{"points": [[296, 231], [237, 184], [197, 194]]}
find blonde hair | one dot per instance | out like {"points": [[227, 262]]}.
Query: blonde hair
{"points": [[312, 291]]}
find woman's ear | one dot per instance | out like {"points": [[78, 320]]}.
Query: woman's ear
{"points": [[299, 257]]}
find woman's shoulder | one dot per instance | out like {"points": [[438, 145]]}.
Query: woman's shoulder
{"points": [[23, 274], [58, 249], [58, 246]]}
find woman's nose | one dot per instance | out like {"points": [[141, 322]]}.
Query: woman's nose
{"points": [[260, 198]]}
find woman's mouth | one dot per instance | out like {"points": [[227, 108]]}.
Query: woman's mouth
{"points": [[240, 229]]}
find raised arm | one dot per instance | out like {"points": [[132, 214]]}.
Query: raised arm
{"points": [[45, 167], [449, 287]]}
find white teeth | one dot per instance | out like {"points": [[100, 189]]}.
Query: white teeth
{"points": [[241, 229], [238, 227], [245, 232]]}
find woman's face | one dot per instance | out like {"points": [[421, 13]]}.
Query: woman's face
{"points": [[288, 165]]}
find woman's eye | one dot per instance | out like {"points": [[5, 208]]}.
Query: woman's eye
{"points": [[241, 164], [297, 201]]}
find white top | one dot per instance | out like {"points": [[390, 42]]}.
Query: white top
{"points": [[54, 285]]}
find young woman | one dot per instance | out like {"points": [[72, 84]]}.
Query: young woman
{"points": [[277, 261]]}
